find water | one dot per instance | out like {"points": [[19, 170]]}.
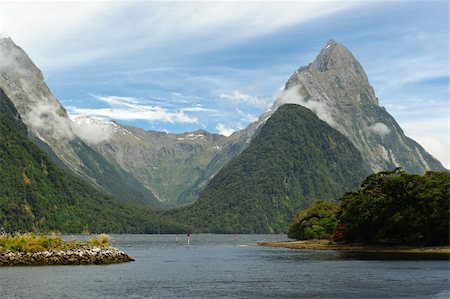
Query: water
{"points": [[217, 266]]}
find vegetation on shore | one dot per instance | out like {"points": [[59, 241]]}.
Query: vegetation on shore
{"points": [[389, 208], [32, 250], [31, 243], [438, 251], [316, 222]]}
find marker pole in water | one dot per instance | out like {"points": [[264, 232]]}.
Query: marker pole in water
{"points": [[189, 237]]}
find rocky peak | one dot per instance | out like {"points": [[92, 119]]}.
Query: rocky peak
{"points": [[24, 84], [336, 88], [334, 56], [337, 69]]}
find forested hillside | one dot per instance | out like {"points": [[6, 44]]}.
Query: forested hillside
{"points": [[36, 195], [295, 159]]}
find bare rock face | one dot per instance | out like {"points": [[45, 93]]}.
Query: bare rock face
{"points": [[337, 89]]}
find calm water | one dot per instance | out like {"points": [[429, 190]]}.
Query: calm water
{"points": [[216, 266]]}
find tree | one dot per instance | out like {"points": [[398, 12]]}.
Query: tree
{"points": [[394, 207], [315, 222]]}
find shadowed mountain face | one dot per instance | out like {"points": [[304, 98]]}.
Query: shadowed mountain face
{"points": [[337, 89]]}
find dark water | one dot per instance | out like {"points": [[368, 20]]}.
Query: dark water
{"points": [[216, 266]]}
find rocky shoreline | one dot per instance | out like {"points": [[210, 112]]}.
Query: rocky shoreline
{"points": [[91, 256]]}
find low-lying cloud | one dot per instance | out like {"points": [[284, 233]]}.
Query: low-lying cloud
{"points": [[93, 131], [48, 119], [380, 129], [293, 96], [222, 129]]}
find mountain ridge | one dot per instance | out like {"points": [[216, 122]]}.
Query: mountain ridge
{"points": [[36, 195], [49, 125]]}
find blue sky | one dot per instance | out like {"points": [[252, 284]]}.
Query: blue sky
{"points": [[180, 66]]}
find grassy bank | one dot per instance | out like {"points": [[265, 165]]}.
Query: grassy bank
{"points": [[358, 248], [31, 243], [38, 250]]}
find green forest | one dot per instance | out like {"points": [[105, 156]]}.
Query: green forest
{"points": [[390, 207], [36, 195], [295, 159]]}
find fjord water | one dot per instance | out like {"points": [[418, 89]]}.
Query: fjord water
{"points": [[216, 266]]}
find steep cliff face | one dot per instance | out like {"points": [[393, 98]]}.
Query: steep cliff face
{"points": [[337, 89], [50, 127]]}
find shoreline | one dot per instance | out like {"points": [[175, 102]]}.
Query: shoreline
{"points": [[93, 256], [438, 251]]}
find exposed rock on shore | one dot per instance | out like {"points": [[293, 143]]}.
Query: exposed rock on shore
{"points": [[93, 256]]}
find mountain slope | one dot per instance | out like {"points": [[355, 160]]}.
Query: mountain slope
{"points": [[337, 89], [176, 167], [36, 195], [295, 159], [50, 127]]}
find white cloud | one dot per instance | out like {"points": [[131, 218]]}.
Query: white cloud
{"points": [[380, 129], [246, 117], [65, 34], [238, 97], [224, 130], [130, 108], [91, 130], [292, 96], [47, 118]]}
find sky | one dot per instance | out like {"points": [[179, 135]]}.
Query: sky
{"points": [[180, 66]]}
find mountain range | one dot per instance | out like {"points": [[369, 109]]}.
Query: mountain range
{"points": [[37, 195], [230, 176]]}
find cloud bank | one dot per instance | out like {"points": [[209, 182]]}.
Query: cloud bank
{"points": [[131, 108]]}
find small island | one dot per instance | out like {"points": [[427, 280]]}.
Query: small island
{"points": [[29, 249]]}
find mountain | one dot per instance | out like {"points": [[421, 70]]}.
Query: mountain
{"points": [[37, 195], [155, 168], [337, 89], [51, 129], [294, 159], [319, 148], [175, 167]]}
